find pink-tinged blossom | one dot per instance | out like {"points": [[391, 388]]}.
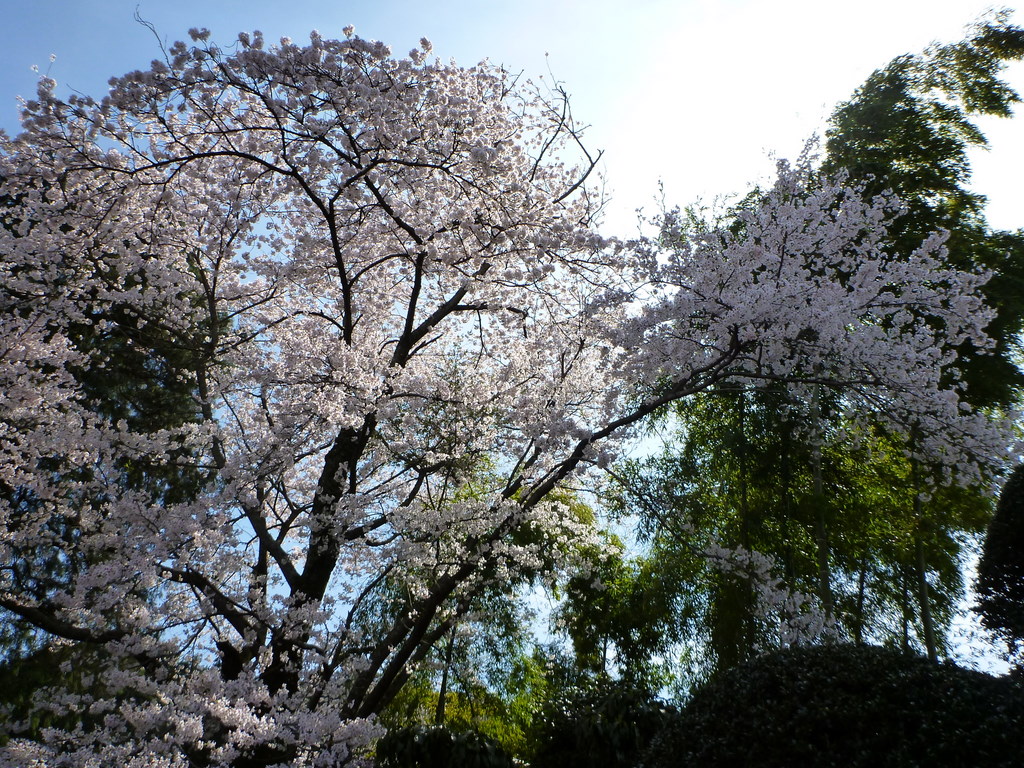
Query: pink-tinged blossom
{"points": [[405, 333]]}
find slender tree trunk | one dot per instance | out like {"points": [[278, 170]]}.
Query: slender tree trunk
{"points": [[905, 609], [747, 634], [925, 601], [818, 496], [442, 695], [858, 627], [923, 598], [787, 500]]}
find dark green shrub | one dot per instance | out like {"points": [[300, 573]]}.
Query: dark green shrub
{"points": [[437, 747], [1001, 567], [596, 725], [846, 706]]}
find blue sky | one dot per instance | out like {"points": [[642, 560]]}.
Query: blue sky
{"points": [[696, 94]]}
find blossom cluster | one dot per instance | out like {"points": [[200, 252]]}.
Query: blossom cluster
{"points": [[402, 334]]}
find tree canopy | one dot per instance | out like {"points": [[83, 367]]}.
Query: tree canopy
{"points": [[909, 129], [845, 511], [380, 284]]}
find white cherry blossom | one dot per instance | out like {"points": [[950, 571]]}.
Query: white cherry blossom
{"points": [[406, 333]]}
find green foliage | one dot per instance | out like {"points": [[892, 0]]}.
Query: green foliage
{"points": [[20, 678], [623, 615], [1001, 567], [849, 524], [437, 747], [909, 129], [77, 669], [740, 473], [488, 694], [596, 723], [846, 706], [143, 373], [480, 675], [875, 533]]}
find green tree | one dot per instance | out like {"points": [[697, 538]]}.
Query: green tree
{"points": [[622, 615], [139, 374], [909, 129], [874, 535], [733, 475], [1001, 568], [742, 473]]}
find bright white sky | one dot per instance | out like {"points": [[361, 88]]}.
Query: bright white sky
{"points": [[697, 94]]}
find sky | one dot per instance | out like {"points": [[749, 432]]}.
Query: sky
{"points": [[697, 96]]}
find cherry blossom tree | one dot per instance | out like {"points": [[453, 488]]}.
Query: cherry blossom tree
{"points": [[405, 334]]}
